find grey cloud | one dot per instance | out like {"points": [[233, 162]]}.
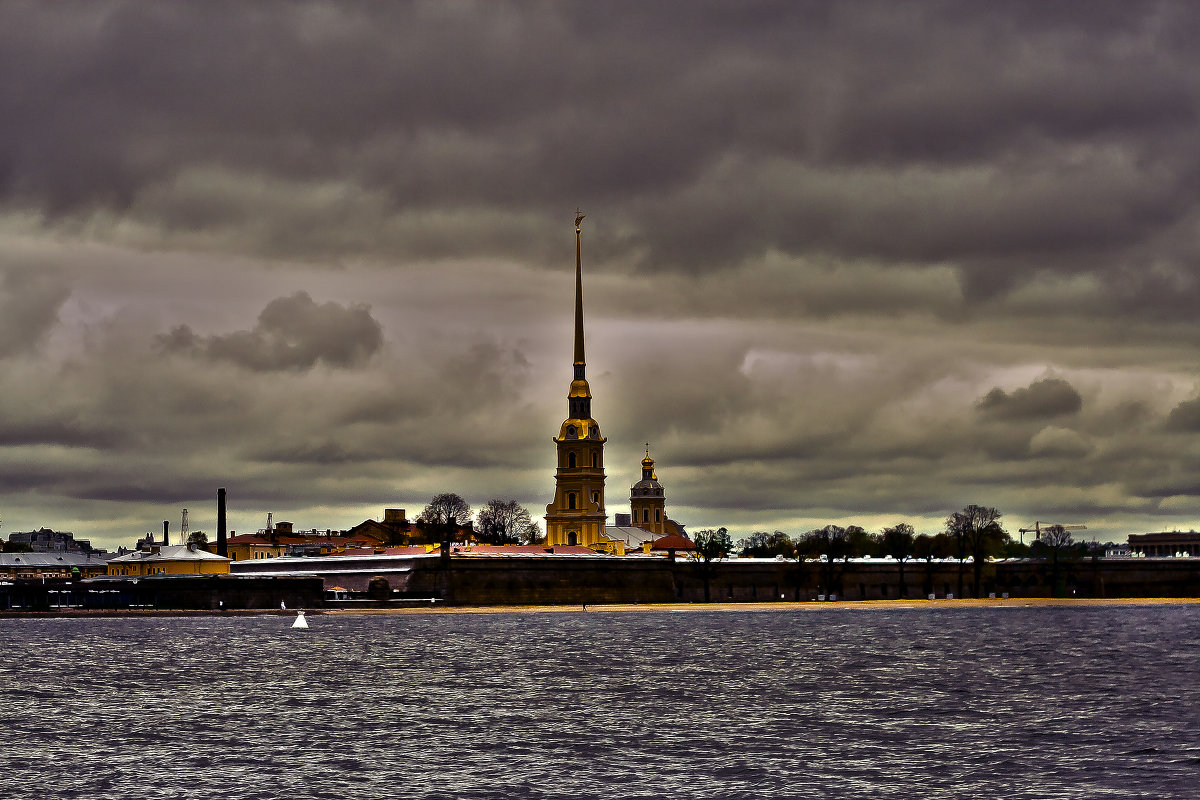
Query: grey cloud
{"points": [[1049, 140], [292, 333], [30, 300], [817, 234], [1044, 399], [1185, 417], [60, 432]]}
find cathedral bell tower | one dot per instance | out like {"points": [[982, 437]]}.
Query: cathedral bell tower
{"points": [[577, 516]]}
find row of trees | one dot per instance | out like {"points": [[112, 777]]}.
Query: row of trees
{"points": [[497, 522], [974, 533]]}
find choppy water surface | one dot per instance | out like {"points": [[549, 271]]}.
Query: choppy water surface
{"points": [[962, 703]]}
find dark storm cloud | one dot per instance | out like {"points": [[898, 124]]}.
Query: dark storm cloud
{"points": [[1006, 140], [819, 234], [293, 332], [1044, 399], [1185, 417]]}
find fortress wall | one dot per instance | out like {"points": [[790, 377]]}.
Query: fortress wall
{"points": [[549, 581], [183, 592], [607, 580], [599, 580]]}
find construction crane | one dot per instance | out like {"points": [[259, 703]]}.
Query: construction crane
{"points": [[1036, 530]]}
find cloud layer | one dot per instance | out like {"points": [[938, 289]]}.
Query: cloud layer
{"points": [[865, 263]]}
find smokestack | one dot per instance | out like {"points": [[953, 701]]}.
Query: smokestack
{"points": [[222, 546], [166, 527]]}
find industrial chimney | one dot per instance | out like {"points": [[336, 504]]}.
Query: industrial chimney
{"points": [[166, 536], [222, 546]]}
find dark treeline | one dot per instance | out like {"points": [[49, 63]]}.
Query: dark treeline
{"points": [[449, 518], [970, 536]]}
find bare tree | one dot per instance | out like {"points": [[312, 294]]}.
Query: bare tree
{"points": [[445, 507], [859, 543], [976, 530], [767, 545], [504, 522], [829, 544], [926, 548], [711, 546], [1057, 540], [897, 542], [441, 520]]}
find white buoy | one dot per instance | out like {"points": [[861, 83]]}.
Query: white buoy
{"points": [[300, 622]]}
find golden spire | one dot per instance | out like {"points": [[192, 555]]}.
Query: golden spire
{"points": [[578, 294]]}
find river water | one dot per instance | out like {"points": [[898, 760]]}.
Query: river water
{"points": [[1061, 702]]}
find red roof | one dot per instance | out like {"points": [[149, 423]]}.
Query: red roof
{"points": [[673, 542], [538, 549], [248, 538], [507, 548], [386, 551]]}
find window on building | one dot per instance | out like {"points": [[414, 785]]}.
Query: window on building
{"points": [[657, 515], [645, 515], [595, 460], [570, 500], [570, 460]]}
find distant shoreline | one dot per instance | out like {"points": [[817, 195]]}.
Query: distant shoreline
{"points": [[815, 606], [811, 606]]}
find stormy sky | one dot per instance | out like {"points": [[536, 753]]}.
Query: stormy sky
{"points": [[844, 262]]}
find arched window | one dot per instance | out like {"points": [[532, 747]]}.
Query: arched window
{"points": [[646, 515], [595, 460], [570, 460], [570, 500], [572, 538], [657, 515]]}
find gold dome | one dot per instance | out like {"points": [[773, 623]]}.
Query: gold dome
{"points": [[580, 388]]}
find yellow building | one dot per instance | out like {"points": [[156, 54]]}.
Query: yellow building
{"points": [[577, 515], [249, 546], [648, 503], [179, 559]]}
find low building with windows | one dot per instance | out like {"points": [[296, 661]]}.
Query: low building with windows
{"points": [[50, 565], [1173, 544], [249, 546], [178, 559]]}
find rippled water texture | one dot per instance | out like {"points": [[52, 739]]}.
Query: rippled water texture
{"points": [[944, 703]]}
